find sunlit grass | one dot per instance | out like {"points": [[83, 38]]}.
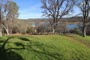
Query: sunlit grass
{"points": [[49, 47], [87, 38]]}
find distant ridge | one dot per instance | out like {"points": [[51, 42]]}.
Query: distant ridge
{"points": [[72, 19]]}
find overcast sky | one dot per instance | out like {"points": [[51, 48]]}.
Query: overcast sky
{"points": [[31, 9]]}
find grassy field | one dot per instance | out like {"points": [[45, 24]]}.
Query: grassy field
{"points": [[45, 47]]}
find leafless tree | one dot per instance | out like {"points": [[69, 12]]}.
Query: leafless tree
{"points": [[2, 12], [56, 10], [11, 15], [8, 11], [84, 6], [0, 22]]}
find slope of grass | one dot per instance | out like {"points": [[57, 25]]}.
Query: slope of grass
{"points": [[84, 40], [45, 47], [87, 38]]}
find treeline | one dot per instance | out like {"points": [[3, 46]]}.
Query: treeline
{"points": [[8, 13], [55, 10], [25, 27]]}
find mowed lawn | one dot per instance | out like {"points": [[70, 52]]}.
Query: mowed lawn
{"points": [[46, 47]]}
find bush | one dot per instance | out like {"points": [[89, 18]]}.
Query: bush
{"points": [[75, 31]]}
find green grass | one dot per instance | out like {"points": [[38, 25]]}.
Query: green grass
{"points": [[47, 47], [87, 38]]}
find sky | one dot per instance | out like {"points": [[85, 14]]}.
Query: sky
{"points": [[31, 9]]}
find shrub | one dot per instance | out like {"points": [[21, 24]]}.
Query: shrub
{"points": [[75, 31]]}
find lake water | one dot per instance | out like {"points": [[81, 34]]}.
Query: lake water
{"points": [[69, 26], [34, 24], [72, 26]]}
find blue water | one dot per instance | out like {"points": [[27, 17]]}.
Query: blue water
{"points": [[34, 24], [69, 26], [72, 26]]}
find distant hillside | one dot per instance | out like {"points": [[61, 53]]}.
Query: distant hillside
{"points": [[36, 22], [73, 19]]}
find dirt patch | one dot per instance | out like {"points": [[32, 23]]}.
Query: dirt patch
{"points": [[18, 34]]}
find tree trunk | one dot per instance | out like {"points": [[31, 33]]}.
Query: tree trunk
{"points": [[84, 31], [0, 32], [7, 31], [0, 22], [54, 31]]}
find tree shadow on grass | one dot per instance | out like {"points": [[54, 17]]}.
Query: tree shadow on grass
{"points": [[42, 50], [24, 39], [8, 54], [37, 48]]}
